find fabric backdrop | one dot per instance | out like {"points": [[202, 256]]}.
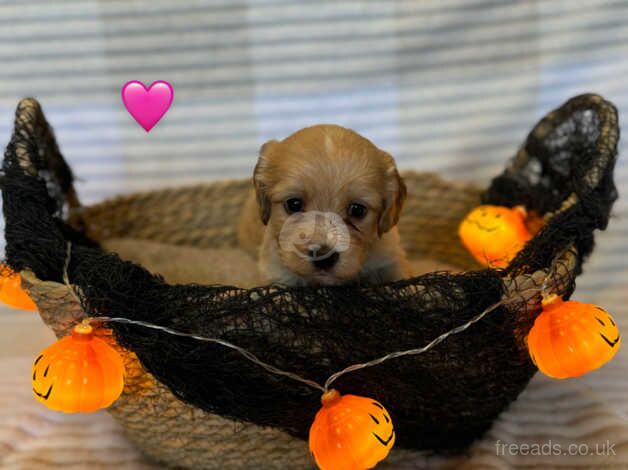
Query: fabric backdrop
{"points": [[451, 86]]}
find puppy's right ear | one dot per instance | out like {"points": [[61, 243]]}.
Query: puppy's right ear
{"points": [[260, 180]]}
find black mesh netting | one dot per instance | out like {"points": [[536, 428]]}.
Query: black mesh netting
{"points": [[442, 399]]}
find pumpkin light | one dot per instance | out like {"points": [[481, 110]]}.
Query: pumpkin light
{"points": [[78, 373], [11, 292], [494, 234], [571, 338], [350, 433]]}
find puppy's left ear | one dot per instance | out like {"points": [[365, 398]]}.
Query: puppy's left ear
{"points": [[260, 180], [394, 198]]}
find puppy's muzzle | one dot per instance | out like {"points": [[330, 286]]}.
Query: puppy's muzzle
{"points": [[318, 237], [323, 257]]}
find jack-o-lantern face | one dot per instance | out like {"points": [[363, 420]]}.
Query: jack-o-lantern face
{"points": [[571, 338], [350, 433], [78, 373], [608, 328], [494, 234]]}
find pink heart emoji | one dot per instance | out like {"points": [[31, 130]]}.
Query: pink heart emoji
{"points": [[147, 105]]}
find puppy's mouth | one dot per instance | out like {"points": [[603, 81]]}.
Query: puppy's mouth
{"points": [[324, 278], [319, 272]]}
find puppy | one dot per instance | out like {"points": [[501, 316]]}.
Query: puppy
{"points": [[329, 200]]}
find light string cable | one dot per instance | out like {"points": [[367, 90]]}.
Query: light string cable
{"points": [[275, 370]]}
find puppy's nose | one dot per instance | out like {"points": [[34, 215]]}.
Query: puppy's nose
{"points": [[313, 249], [327, 262]]}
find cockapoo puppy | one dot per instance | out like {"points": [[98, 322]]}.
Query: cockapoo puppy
{"points": [[327, 201]]}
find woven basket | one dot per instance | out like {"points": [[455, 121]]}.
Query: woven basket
{"points": [[205, 217]]}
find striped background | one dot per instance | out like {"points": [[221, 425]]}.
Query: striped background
{"points": [[452, 86]]}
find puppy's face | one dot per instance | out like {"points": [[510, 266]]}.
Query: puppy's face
{"points": [[326, 195]]}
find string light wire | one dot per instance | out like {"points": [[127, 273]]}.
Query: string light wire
{"points": [[247, 354]]}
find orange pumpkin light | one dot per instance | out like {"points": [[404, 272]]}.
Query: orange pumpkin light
{"points": [[571, 338], [11, 292], [350, 433], [78, 373], [494, 234]]}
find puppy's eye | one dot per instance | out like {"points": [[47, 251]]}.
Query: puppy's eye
{"points": [[293, 205], [357, 211]]}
